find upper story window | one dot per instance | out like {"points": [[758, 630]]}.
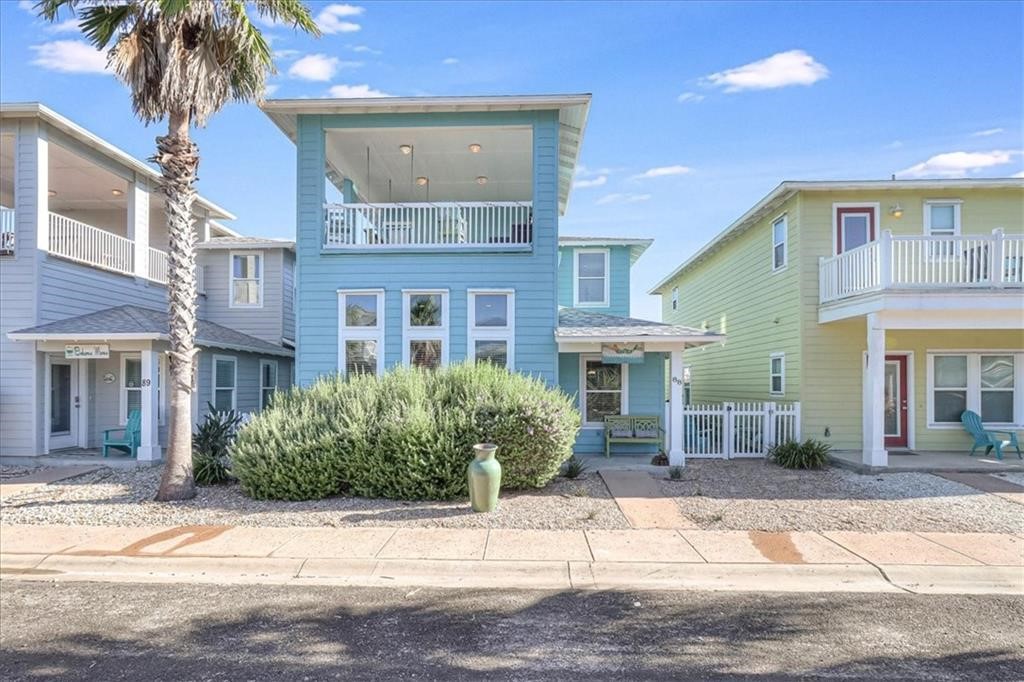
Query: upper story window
{"points": [[425, 328], [361, 331], [780, 240], [246, 279], [590, 278], [942, 217], [675, 298], [491, 326]]}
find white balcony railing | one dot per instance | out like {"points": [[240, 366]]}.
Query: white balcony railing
{"points": [[922, 262], [90, 245], [158, 265], [6, 231], [410, 226]]}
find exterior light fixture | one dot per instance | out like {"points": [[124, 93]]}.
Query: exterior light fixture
{"points": [[52, 192], [405, 149], [475, 148], [421, 180], [896, 211], [481, 180], [116, 192]]}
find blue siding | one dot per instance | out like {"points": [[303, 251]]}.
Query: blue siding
{"points": [[531, 274], [645, 396], [618, 287]]}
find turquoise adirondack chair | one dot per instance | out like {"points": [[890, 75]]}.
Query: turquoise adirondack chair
{"points": [[990, 439], [128, 441]]}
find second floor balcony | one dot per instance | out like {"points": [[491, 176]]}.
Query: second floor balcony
{"points": [[924, 263]]}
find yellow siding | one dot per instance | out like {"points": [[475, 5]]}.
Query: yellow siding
{"points": [[736, 293]]}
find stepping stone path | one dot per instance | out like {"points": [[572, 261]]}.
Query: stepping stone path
{"points": [[641, 501]]}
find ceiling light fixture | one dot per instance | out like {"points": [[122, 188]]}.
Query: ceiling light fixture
{"points": [[116, 192], [405, 149], [475, 148], [481, 180], [421, 181]]}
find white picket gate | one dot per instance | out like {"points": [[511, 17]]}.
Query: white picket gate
{"points": [[730, 430]]}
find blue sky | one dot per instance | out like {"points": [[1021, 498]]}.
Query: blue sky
{"points": [[698, 111]]}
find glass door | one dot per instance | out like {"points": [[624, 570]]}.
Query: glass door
{"points": [[896, 422], [63, 417]]}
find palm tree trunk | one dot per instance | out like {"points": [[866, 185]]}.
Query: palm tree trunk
{"points": [[178, 158]]}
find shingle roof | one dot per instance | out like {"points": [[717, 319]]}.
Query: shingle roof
{"points": [[574, 322], [127, 320], [245, 243]]}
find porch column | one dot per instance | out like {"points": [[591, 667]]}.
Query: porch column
{"points": [[149, 446], [138, 225], [676, 456], [873, 401], [32, 187]]}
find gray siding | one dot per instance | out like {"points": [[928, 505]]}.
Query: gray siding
{"points": [[68, 289], [288, 294], [247, 387], [264, 323]]}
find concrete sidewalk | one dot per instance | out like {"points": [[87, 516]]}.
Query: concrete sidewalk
{"points": [[503, 558]]}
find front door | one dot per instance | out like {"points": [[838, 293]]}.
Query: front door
{"points": [[855, 226], [896, 401], [63, 417]]}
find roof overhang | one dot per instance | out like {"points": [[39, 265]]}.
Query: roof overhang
{"points": [[73, 337], [637, 247], [243, 245], [72, 129], [572, 117], [788, 188], [576, 342]]}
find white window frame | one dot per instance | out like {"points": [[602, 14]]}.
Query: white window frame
{"points": [[576, 279], [232, 279], [411, 333], [624, 410], [675, 298], [277, 380], [781, 357], [784, 219], [927, 209], [506, 333], [974, 385], [123, 390], [213, 380], [346, 333]]}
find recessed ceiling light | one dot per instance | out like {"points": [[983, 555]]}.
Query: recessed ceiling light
{"points": [[52, 192], [116, 192], [421, 181], [481, 180], [475, 148], [405, 149]]}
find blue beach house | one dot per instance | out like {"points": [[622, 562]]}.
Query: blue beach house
{"points": [[427, 233]]}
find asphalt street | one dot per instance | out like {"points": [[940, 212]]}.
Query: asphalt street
{"points": [[111, 631]]}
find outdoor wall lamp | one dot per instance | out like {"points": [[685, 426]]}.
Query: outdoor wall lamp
{"points": [[896, 211]]}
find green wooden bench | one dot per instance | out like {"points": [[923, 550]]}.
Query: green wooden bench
{"points": [[633, 428], [988, 438], [128, 441]]}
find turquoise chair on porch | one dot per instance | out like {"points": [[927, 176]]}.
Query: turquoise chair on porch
{"points": [[990, 439], [128, 441]]}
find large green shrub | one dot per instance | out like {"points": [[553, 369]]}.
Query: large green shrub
{"points": [[406, 435]]}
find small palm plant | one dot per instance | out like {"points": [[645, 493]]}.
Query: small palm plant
{"points": [[182, 60]]}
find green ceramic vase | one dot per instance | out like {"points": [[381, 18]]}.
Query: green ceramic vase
{"points": [[484, 478]]}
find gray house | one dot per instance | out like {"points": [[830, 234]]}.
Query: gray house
{"points": [[83, 295]]}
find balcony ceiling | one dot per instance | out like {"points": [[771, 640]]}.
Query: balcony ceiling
{"points": [[441, 155]]}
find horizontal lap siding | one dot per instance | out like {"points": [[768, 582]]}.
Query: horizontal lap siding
{"points": [[618, 286], [265, 322], [69, 289]]}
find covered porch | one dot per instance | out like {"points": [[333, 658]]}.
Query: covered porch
{"points": [[928, 461], [617, 366]]}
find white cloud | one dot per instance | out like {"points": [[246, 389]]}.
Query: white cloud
{"points": [[958, 164], [365, 48], [690, 97], [319, 67], [987, 133], [70, 56], [1018, 174], [286, 54], [662, 172], [895, 144], [449, 61], [66, 26], [622, 198], [332, 19], [590, 182], [352, 91], [794, 67], [27, 5], [270, 89]]}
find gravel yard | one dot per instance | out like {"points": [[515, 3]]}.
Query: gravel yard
{"points": [[755, 495], [125, 497]]}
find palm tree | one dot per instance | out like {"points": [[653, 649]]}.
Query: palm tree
{"points": [[182, 60]]}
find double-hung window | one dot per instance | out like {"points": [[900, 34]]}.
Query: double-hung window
{"points": [[492, 322], [425, 327], [590, 277], [603, 389], [780, 239], [777, 374], [246, 279], [131, 386], [225, 381], [361, 331], [268, 382], [986, 382]]}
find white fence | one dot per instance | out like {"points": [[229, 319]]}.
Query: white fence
{"points": [[729, 430], [428, 225], [909, 262], [90, 245]]}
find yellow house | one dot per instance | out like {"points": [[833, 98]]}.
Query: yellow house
{"points": [[886, 308]]}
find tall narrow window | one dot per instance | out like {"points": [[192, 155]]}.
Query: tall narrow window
{"points": [[246, 279], [777, 373], [997, 389], [425, 328], [361, 331], [131, 386], [780, 238], [590, 280], [268, 382], [491, 326], [949, 396], [603, 390], [675, 298], [225, 376]]}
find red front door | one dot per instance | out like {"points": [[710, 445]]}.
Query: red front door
{"points": [[895, 419], [855, 226]]}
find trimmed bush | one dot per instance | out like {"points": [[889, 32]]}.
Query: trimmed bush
{"points": [[811, 454], [406, 435]]}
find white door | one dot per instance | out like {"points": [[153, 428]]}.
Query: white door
{"points": [[64, 402]]}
